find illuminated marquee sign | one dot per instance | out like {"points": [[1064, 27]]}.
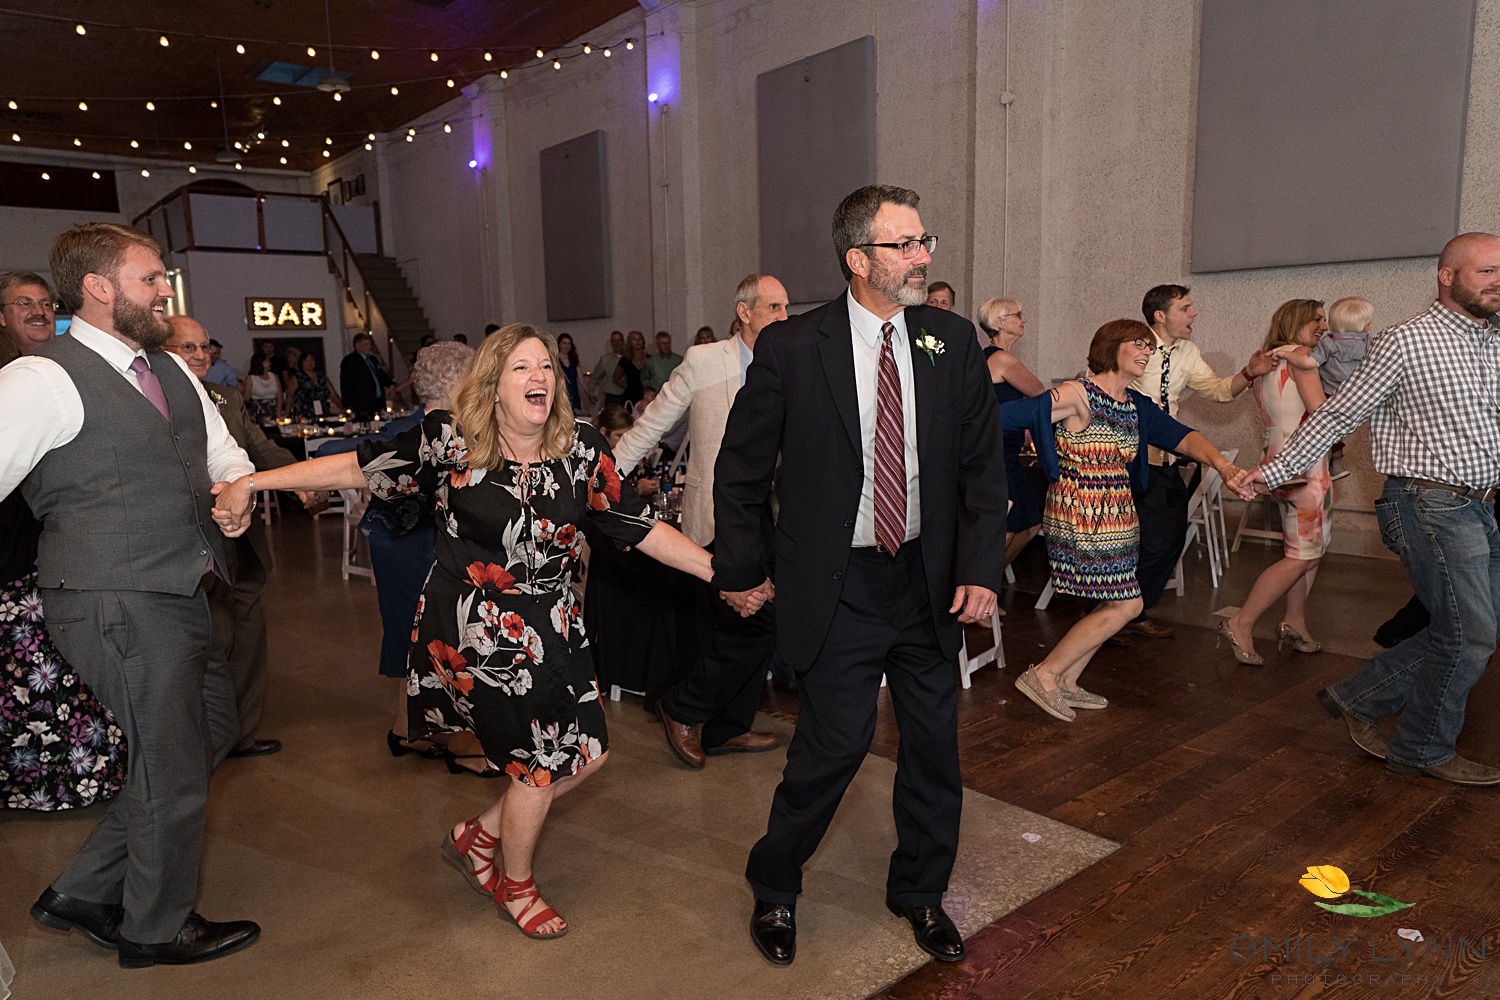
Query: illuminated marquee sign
{"points": [[285, 314]]}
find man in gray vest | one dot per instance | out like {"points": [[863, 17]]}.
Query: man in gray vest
{"points": [[116, 448]]}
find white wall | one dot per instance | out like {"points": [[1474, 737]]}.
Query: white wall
{"points": [[1072, 192], [217, 284]]}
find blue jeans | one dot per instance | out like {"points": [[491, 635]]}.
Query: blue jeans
{"points": [[1451, 549]]}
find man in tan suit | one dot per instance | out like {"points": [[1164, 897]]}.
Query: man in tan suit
{"points": [[238, 611], [711, 711]]}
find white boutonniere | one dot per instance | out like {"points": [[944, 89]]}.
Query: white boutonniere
{"points": [[927, 342], [218, 400]]}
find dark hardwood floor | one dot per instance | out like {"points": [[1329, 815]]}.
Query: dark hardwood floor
{"points": [[1222, 783]]}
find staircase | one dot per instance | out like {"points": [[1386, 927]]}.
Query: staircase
{"points": [[403, 314]]}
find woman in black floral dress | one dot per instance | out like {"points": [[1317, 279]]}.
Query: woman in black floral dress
{"points": [[499, 648]]}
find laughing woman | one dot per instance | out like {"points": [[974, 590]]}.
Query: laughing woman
{"points": [[1091, 436], [499, 648]]}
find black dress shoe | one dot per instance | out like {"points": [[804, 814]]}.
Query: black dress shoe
{"points": [[773, 928], [933, 930], [100, 922], [256, 748], [198, 941]]}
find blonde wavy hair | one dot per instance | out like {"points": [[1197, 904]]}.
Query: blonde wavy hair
{"points": [[474, 399]]}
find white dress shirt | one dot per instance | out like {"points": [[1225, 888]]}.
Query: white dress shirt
{"points": [[1187, 370], [865, 327], [40, 409]]}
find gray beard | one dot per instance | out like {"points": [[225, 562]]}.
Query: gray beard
{"points": [[892, 284]]}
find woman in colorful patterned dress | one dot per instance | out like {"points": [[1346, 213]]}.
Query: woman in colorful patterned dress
{"points": [[1285, 397], [498, 647], [1091, 436], [59, 746]]}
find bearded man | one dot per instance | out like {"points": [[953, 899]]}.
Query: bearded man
{"points": [[116, 447], [890, 538]]}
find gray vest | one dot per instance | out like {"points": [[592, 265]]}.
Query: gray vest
{"points": [[125, 505]]}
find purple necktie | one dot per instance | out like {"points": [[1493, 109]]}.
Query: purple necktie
{"points": [[150, 385], [890, 451]]}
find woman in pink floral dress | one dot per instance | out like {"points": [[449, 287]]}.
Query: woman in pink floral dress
{"points": [[1284, 398], [498, 647]]}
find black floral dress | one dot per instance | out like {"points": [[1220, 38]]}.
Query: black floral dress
{"points": [[498, 647]]}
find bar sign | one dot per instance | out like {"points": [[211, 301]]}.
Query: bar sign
{"points": [[284, 314]]}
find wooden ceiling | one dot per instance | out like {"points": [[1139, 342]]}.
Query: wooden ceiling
{"points": [[119, 64]]}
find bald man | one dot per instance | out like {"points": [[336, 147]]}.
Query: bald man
{"points": [[238, 611], [1428, 387]]}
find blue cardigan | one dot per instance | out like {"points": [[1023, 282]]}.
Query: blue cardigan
{"points": [[1035, 415]]}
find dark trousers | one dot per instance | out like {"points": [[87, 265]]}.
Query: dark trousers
{"points": [[882, 625], [1162, 511], [239, 643], [723, 690], [147, 658]]}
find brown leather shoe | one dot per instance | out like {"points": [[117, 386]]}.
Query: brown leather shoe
{"points": [[1458, 770], [1149, 629], [1364, 735], [684, 740], [751, 742]]}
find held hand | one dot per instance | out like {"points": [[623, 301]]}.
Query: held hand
{"points": [[233, 506], [1250, 484], [748, 602], [973, 604], [1260, 363]]}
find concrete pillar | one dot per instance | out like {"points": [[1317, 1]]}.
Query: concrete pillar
{"points": [[496, 274], [988, 210]]}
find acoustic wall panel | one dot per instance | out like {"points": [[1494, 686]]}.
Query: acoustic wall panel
{"points": [[575, 229], [816, 142], [1328, 130]]}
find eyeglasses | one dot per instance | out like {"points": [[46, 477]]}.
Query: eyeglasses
{"points": [[25, 305], [1005, 316], [1143, 345], [909, 248]]}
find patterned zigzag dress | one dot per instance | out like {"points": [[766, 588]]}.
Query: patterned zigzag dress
{"points": [[1093, 535]]}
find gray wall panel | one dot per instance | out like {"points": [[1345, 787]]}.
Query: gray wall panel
{"points": [[1328, 130], [816, 132], [575, 229]]}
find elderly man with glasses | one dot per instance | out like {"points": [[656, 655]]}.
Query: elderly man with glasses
{"points": [[27, 310]]}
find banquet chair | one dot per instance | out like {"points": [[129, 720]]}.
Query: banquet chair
{"points": [[269, 505], [353, 503], [969, 665], [1243, 532]]}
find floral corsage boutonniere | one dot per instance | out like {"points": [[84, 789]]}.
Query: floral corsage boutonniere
{"points": [[927, 342], [219, 401]]}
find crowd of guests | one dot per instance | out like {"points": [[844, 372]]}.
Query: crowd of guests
{"points": [[484, 630]]}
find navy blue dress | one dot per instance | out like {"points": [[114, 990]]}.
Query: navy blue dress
{"points": [[1028, 487]]}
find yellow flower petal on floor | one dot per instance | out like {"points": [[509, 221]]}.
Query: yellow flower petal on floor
{"points": [[1326, 881]]}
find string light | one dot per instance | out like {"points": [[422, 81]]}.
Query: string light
{"points": [[411, 131], [607, 53], [369, 146], [473, 164], [408, 138], [162, 41], [587, 48], [503, 74], [78, 142], [629, 45], [134, 144], [557, 64], [328, 140], [13, 105], [239, 49], [283, 161], [433, 56], [489, 57], [312, 53], [145, 173], [150, 106], [325, 153], [80, 29], [285, 143], [447, 127], [395, 91], [450, 81], [276, 100], [96, 175], [192, 169], [337, 96], [260, 135], [46, 176], [374, 53], [83, 106], [187, 145], [540, 54], [370, 137], [238, 167], [215, 104], [15, 137]]}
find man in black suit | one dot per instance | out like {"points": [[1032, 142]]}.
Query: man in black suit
{"points": [[891, 536], [363, 380]]}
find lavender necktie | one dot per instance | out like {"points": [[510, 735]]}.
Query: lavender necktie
{"points": [[150, 385]]}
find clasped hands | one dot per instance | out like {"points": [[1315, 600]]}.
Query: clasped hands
{"points": [[970, 603], [748, 602], [235, 501]]}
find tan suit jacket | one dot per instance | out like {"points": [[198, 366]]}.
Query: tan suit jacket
{"points": [[265, 453], [704, 386]]}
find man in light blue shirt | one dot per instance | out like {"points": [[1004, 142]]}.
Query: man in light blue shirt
{"points": [[221, 372]]}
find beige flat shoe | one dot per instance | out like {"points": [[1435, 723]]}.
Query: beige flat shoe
{"points": [[1050, 702], [1079, 698]]}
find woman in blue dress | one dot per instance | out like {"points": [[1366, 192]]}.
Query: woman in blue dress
{"points": [[568, 355], [1004, 323]]}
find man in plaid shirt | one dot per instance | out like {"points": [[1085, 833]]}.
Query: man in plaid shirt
{"points": [[1431, 390]]}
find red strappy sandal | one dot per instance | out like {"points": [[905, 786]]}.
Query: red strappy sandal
{"points": [[480, 872], [509, 891]]}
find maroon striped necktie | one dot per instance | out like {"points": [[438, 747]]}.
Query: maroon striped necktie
{"points": [[890, 451]]}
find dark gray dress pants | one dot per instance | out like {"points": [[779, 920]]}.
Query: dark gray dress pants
{"points": [[146, 657]]}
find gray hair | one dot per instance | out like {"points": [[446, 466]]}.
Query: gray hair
{"points": [[439, 367], [14, 279], [748, 291], [993, 311], [856, 213]]}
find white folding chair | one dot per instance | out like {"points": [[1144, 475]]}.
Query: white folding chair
{"points": [[1243, 532], [268, 505], [353, 503], [968, 666]]}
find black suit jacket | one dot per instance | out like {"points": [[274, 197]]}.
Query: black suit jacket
{"points": [[800, 401], [358, 391]]}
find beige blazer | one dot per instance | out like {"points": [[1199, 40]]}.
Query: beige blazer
{"points": [[704, 386]]}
